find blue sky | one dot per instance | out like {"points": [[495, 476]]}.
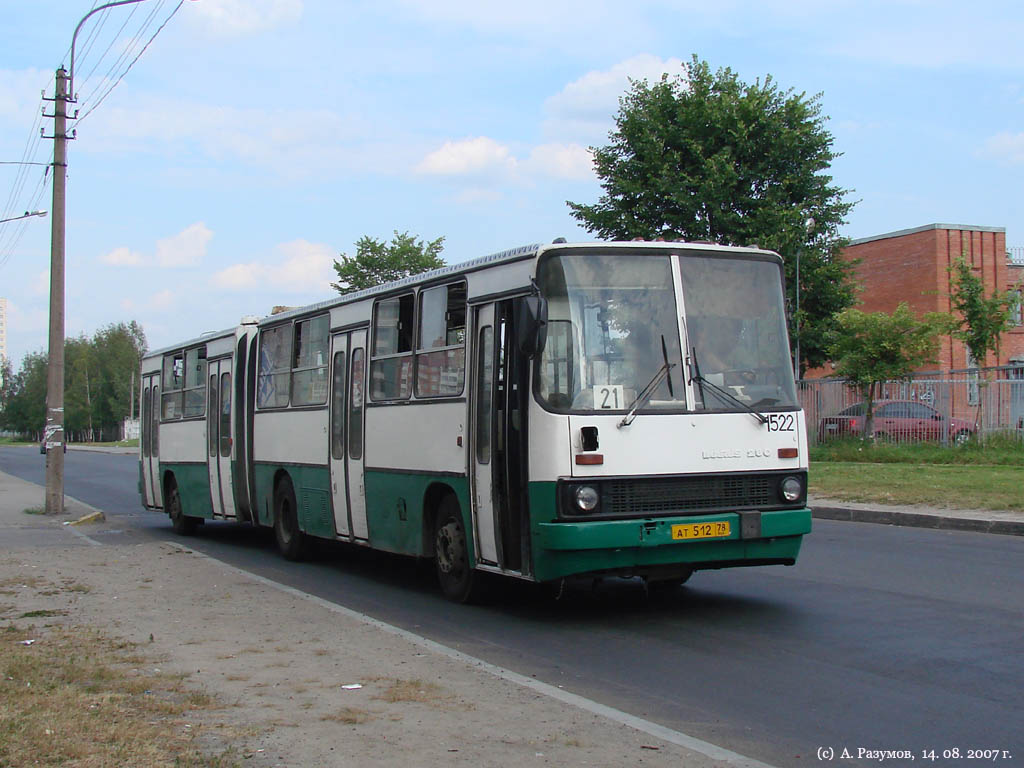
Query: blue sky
{"points": [[255, 140]]}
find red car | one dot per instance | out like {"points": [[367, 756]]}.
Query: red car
{"points": [[897, 421]]}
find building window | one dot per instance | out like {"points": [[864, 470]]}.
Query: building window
{"points": [[1016, 316]]}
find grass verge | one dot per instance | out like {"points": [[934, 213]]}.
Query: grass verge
{"points": [[963, 486], [72, 696]]}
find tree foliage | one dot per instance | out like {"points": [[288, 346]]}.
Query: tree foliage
{"points": [[703, 156], [100, 384], [377, 262], [871, 348], [982, 319]]}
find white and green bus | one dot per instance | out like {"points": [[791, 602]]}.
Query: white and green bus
{"points": [[543, 413]]}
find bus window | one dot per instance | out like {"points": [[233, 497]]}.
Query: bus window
{"points": [[485, 384], [309, 368], [173, 380], [225, 414], [391, 364], [275, 367], [194, 395], [144, 421], [211, 420], [441, 345], [155, 426], [355, 404], [338, 408]]}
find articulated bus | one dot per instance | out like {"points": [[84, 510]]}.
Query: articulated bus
{"points": [[604, 409]]}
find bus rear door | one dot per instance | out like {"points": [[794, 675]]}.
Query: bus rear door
{"points": [[219, 440]]}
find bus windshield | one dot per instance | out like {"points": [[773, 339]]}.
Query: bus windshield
{"points": [[736, 331], [613, 324], [608, 317]]}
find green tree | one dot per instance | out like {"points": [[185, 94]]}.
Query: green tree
{"points": [[872, 348], [983, 319], [377, 262], [703, 156]]}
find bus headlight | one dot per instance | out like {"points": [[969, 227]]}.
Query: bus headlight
{"points": [[586, 498], [791, 488]]}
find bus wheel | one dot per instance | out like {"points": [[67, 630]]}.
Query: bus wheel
{"points": [[459, 581], [182, 524], [290, 540]]}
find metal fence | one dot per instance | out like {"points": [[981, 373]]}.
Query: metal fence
{"points": [[944, 407]]}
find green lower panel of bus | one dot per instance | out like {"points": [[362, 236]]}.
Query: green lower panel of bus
{"points": [[193, 482], [568, 548], [312, 487], [396, 503]]}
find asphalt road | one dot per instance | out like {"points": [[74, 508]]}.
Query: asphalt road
{"points": [[880, 638]]}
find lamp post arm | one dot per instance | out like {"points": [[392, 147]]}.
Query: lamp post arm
{"points": [[74, 37]]}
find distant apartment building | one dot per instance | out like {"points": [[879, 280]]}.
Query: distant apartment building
{"points": [[912, 265]]}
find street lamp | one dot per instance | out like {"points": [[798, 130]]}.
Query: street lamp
{"points": [[808, 228], [25, 215], [64, 93]]}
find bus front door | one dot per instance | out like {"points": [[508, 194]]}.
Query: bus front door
{"points": [[501, 385], [482, 436], [219, 438]]}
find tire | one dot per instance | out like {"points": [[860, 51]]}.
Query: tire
{"points": [[291, 541], [183, 524], [458, 579]]}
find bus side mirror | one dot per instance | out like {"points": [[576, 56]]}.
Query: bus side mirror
{"points": [[531, 324]]}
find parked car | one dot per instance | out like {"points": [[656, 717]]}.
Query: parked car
{"points": [[897, 421]]}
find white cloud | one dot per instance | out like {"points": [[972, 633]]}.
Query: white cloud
{"points": [[122, 257], [303, 266], [161, 301], [41, 285], [185, 249], [236, 18], [1006, 146], [588, 105], [469, 157], [562, 161]]}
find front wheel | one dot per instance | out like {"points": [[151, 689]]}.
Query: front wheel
{"points": [[458, 580], [291, 541], [183, 525]]}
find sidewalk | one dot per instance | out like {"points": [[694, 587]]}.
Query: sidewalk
{"points": [[979, 520]]}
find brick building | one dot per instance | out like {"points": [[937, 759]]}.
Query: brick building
{"points": [[912, 266]]}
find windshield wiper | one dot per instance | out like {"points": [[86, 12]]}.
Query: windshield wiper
{"points": [[695, 375], [645, 394]]}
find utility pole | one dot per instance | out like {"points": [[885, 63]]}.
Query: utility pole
{"points": [[54, 432]]}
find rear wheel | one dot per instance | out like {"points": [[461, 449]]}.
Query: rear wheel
{"points": [[458, 580], [182, 524], [291, 541]]}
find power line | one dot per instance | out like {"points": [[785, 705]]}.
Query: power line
{"points": [[106, 93]]}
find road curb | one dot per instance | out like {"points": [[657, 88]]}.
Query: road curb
{"points": [[919, 520]]}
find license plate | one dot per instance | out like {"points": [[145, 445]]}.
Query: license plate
{"points": [[716, 530]]}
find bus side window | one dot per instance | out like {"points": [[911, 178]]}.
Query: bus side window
{"points": [[174, 381], [309, 368], [441, 342], [275, 367], [391, 362]]}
